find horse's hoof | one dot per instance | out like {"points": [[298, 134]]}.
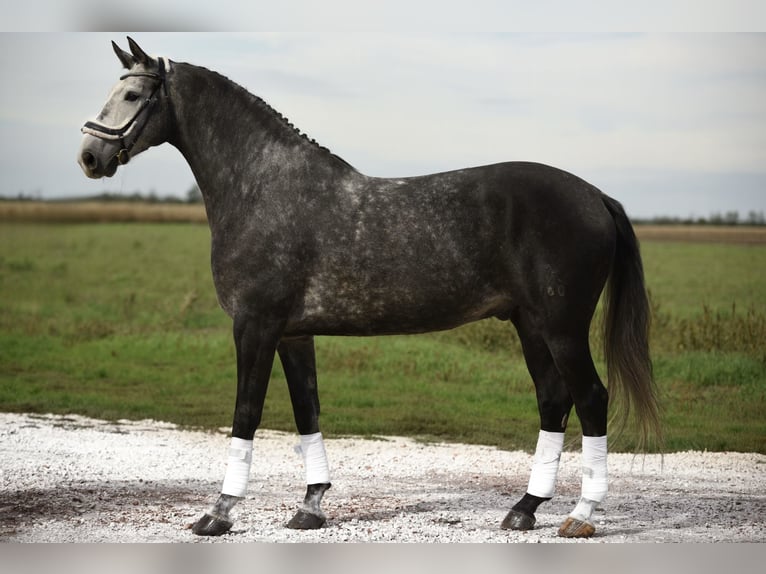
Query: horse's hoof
{"points": [[574, 528], [210, 525], [306, 521], [516, 520]]}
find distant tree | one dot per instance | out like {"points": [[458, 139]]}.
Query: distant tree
{"points": [[194, 195], [755, 218]]}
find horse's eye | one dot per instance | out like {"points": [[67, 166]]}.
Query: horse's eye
{"points": [[131, 96]]}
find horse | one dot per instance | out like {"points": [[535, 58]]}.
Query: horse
{"points": [[305, 245]]}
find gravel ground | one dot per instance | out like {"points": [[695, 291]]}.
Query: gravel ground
{"points": [[74, 479]]}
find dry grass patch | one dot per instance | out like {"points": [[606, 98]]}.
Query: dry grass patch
{"points": [[741, 234], [100, 212]]}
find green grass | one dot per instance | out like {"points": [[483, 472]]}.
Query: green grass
{"points": [[685, 277], [121, 321]]}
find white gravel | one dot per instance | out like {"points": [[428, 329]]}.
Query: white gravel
{"points": [[74, 479]]}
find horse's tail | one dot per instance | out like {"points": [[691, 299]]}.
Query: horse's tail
{"points": [[626, 332]]}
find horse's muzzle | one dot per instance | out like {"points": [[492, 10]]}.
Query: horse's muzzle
{"points": [[96, 165]]}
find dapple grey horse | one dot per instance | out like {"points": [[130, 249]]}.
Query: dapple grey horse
{"points": [[303, 244]]}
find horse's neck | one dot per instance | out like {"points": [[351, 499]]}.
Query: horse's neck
{"points": [[235, 144]]}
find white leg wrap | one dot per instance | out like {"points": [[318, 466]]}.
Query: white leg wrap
{"points": [[594, 477], [314, 458], [238, 467], [542, 479]]}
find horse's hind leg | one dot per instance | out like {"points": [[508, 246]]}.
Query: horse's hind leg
{"points": [[572, 357], [554, 404], [299, 363]]}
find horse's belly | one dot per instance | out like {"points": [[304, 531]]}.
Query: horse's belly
{"points": [[395, 310]]}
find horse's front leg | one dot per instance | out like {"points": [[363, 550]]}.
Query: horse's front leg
{"points": [[299, 363], [256, 343]]}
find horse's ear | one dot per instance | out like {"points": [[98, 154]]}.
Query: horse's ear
{"points": [[126, 59], [138, 53]]}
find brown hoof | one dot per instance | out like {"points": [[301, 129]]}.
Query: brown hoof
{"points": [[573, 528]]}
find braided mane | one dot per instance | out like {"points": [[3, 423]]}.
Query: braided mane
{"points": [[264, 105]]}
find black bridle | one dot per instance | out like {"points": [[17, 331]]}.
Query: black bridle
{"points": [[131, 127]]}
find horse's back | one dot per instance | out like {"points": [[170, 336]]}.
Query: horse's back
{"points": [[513, 208], [432, 252]]}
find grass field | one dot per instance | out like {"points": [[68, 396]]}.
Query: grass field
{"points": [[121, 320]]}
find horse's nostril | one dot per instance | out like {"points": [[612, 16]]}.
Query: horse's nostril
{"points": [[89, 160]]}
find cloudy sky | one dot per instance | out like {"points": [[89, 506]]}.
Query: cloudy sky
{"points": [[670, 124]]}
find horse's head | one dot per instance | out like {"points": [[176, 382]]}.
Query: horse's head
{"points": [[135, 117]]}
